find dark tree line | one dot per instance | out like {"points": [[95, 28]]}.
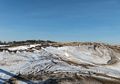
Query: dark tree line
{"points": [[25, 42], [3, 43]]}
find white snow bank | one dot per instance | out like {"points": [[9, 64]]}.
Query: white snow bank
{"points": [[81, 54], [3, 45], [23, 47], [55, 59]]}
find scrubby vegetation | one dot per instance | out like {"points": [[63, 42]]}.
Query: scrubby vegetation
{"points": [[27, 42]]}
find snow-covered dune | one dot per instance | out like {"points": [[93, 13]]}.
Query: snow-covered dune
{"points": [[98, 63]]}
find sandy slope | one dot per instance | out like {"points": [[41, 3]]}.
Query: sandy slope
{"points": [[76, 62]]}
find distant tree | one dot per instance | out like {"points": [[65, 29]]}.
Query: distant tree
{"points": [[4, 42], [1, 43]]}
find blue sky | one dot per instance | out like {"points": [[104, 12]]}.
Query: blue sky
{"points": [[60, 20]]}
